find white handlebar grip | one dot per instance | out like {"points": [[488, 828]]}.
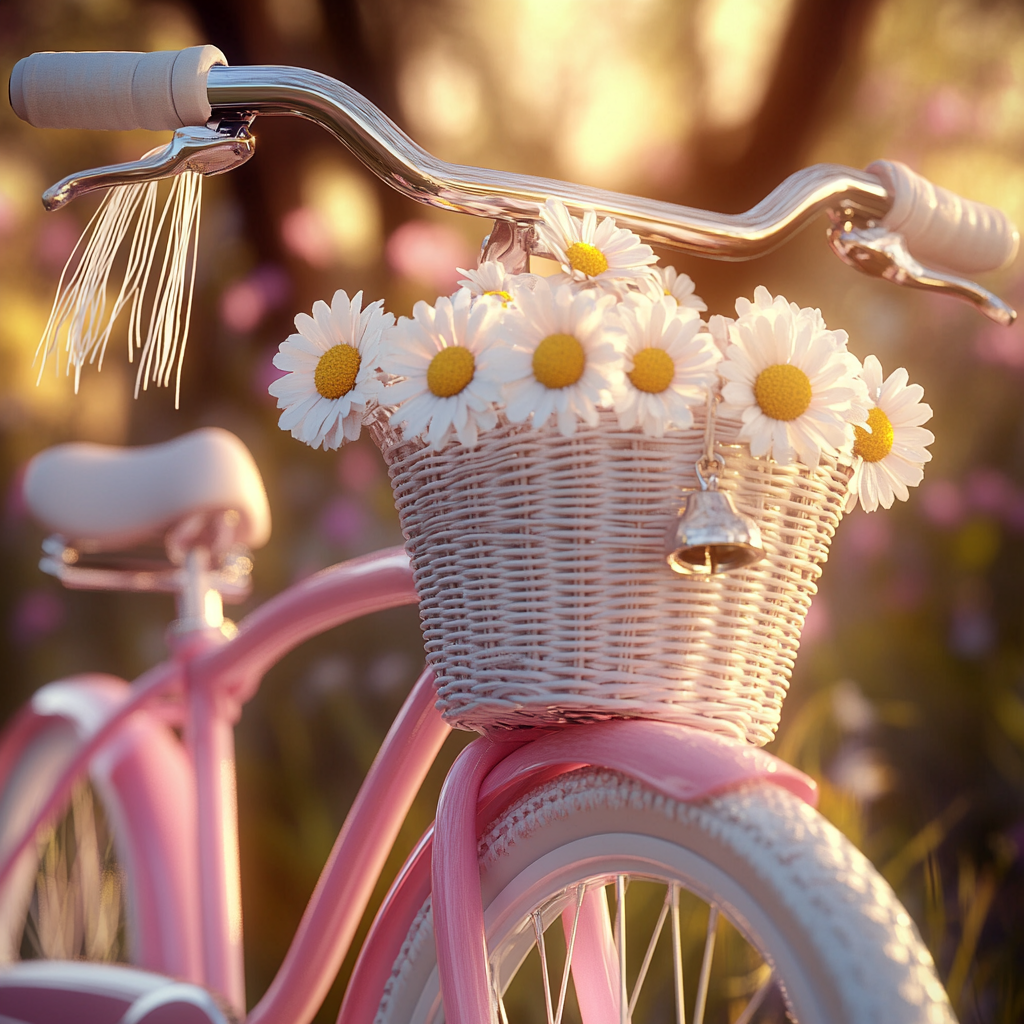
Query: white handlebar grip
{"points": [[114, 91], [943, 228]]}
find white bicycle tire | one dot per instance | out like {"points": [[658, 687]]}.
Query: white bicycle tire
{"points": [[844, 948], [29, 781]]}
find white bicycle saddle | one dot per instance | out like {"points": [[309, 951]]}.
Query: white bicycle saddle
{"points": [[104, 498]]}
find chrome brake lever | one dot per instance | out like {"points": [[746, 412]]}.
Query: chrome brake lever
{"points": [[209, 150], [882, 253]]}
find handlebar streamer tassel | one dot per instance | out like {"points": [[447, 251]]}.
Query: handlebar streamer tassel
{"points": [[80, 308]]}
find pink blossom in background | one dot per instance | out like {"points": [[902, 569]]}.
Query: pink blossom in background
{"points": [[851, 709], [359, 468], [1013, 513], [972, 633], [36, 615], [305, 233], [859, 770], [266, 373], [332, 674], [8, 215], [1016, 835], [55, 240], [390, 671], [988, 490], [867, 535], [15, 508], [985, 490], [818, 623], [429, 253], [664, 163], [907, 590], [343, 520], [245, 303], [947, 112], [1003, 346], [879, 93], [942, 503], [241, 307]]}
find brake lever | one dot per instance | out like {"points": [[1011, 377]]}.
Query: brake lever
{"points": [[210, 150], [877, 251]]}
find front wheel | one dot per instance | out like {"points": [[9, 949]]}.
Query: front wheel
{"points": [[64, 898], [114, 877], [606, 901]]}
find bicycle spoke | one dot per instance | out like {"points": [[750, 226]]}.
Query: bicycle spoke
{"points": [[650, 951], [580, 891], [538, 930], [705, 968], [620, 935], [756, 1000], [677, 955]]}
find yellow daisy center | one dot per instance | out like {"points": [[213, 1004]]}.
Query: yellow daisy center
{"points": [[783, 391], [875, 446], [504, 296], [336, 371], [586, 258], [559, 361], [652, 371], [450, 371]]}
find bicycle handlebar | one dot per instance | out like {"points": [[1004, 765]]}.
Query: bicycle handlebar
{"points": [[389, 153], [157, 90]]}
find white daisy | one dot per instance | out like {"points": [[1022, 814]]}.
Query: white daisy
{"points": [[560, 357], [668, 281], [669, 366], [331, 363], [718, 327], [602, 254], [491, 280], [891, 456], [763, 300], [445, 354], [798, 391]]}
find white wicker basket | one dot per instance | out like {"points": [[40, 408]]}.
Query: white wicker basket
{"points": [[544, 592]]}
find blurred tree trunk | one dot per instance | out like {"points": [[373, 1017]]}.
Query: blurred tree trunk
{"points": [[347, 44], [814, 63], [730, 171]]}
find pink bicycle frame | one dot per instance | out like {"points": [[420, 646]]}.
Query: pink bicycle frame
{"points": [[215, 677]]}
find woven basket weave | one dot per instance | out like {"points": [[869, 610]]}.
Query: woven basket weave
{"points": [[544, 592]]}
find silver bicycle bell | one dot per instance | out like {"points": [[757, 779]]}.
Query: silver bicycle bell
{"points": [[710, 536]]}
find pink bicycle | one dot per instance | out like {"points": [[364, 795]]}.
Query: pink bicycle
{"points": [[615, 846]]}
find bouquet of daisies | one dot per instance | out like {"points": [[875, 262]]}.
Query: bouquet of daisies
{"points": [[611, 331]]}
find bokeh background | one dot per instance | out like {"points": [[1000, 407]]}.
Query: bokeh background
{"points": [[908, 701]]}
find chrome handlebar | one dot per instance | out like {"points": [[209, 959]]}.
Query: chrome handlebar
{"points": [[854, 200], [396, 159]]}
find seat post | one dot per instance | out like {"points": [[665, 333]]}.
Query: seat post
{"points": [[200, 605]]}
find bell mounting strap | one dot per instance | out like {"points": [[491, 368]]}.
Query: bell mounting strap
{"points": [[709, 535]]}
